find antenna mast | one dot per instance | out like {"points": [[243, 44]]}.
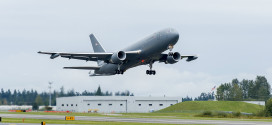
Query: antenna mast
{"points": [[50, 87]]}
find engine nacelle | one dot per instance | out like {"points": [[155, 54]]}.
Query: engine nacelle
{"points": [[118, 57], [173, 58]]}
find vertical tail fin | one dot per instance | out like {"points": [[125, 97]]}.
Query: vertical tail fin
{"points": [[97, 47]]}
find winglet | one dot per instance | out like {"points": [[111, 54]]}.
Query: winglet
{"points": [[53, 55]]}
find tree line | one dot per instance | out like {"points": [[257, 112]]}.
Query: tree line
{"points": [[245, 90], [203, 97], [258, 90], [32, 97]]}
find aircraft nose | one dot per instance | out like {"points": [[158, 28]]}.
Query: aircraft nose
{"points": [[174, 36]]}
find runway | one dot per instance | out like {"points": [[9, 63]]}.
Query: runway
{"points": [[139, 120], [30, 124]]}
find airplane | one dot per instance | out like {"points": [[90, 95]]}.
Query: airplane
{"points": [[144, 52]]}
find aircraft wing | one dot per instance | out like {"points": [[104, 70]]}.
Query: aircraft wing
{"points": [[86, 56], [80, 56], [163, 57]]}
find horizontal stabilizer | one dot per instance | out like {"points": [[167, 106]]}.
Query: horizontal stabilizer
{"points": [[84, 67], [189, 57]]}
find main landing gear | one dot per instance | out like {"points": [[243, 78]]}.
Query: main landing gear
{"points": [[118, 71], [150, 72]]}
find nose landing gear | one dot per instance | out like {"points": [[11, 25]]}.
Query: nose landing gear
{"points": [[150, 72], [170, 47]]}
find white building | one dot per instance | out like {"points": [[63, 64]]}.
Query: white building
{"points": [[14, 107], [114, 104]]}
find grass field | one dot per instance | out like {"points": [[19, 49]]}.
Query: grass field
{"points": [[16, 120], [184, 110], [50, 113], [196, 106]]}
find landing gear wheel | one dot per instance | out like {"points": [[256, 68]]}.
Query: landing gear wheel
{"points": [[119, 72], [147, 72], [150, 72]]}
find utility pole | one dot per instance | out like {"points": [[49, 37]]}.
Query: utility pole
{"points": [[50, 83]]}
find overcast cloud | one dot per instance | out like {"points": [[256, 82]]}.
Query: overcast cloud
{"points": [[231, 37]]}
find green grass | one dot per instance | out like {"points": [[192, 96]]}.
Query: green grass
{"points": [[17, 120], [198, 106], [50, 113], [122, 115], [184, 110], [155, 115]]}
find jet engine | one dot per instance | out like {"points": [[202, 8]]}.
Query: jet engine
{"points": [[172, 58], [118, 57]]}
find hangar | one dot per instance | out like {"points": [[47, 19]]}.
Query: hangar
{"points": [[114, 104]]}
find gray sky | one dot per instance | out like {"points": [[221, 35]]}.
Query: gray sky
{"points": [[231, 37]]}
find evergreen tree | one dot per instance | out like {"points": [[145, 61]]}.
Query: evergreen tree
{"points": [[268, 108], [38, 100], [205, 97], [187, 98], [235, 91], [117, 93], [62, 92], [262, 88], [99, 92], [71, 92], [32, 97]]}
